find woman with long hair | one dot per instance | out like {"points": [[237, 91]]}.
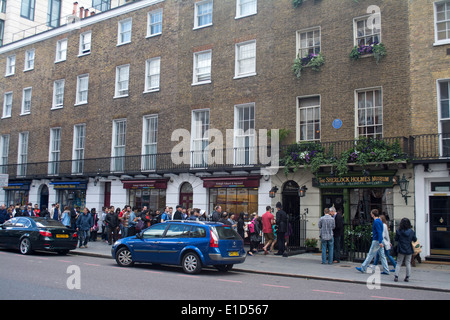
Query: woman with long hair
{"points": [[404, 236]]}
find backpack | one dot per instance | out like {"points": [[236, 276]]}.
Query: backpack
{"points": [[251, 227]]}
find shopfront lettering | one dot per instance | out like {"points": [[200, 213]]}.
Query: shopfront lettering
{"points": [[354, 181]]}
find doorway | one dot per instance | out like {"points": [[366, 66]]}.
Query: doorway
{"points": [[186, 195], [440, 225], [291, 204], [44, 197]]}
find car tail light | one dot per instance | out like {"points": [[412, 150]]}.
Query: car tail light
{"points": [[74, 235], [214, 243], [46, 234]]}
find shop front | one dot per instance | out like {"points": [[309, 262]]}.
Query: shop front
{"points": [[17, 193], [149, 193], [70, 193], [357, 195], [234, 194]]}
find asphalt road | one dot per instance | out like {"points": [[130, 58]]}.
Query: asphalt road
{"points": [[47, 276]]}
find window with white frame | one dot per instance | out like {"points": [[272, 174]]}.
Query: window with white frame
{"points": [[82, 89], [244, 134], [364, 35], [10, 65], [308, 42], [149, 142], [245, 64], [79, 137], [152, 74], [58, 94], [22, 156], [122, 79], [61, 50], [4, 153], [442, 21], [85, 43], [369, 105], [444, 114], [202, 67], [309, 119], [246, 8], [118, 145], [54, 151], [29, 60], [154, 23], [7, 104], [124, 33], [200, 138], [26, 101], [203, 13]]}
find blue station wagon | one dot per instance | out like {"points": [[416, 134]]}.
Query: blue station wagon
{"points": [[191, 244]]}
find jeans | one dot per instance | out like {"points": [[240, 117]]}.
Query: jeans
{"points": [[400, 258], [337, 249], [388, 256], [374, 248], [83, 236], [327, 244]]}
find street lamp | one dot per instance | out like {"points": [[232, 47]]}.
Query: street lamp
{"points": [[273, 192], [404, 184], [302, 191]]}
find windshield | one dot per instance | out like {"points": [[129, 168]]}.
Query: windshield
{"points": [[226, 233], [48, 223]]}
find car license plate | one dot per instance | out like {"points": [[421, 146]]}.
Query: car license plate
{"points": [[62, 236], [233, 253]]}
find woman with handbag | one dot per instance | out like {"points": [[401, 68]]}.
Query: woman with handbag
{"points": [[404, 236]]}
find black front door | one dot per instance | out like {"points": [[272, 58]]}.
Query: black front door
{"points": [[440, 225]]}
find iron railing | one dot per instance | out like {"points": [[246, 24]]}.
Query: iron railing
{"points": [[431, 147]]}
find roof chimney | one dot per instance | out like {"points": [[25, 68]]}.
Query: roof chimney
{"points": [[81, 12], [74, 11]]}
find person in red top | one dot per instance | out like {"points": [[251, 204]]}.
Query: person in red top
{"points": [[267, 221]]}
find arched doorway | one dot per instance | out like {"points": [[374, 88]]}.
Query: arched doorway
{"points": [[44, 197], [186, 195], [291, 204]]}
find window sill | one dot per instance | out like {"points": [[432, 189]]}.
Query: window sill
{"points": [[204, 26], [153, 35], [245, 16], [201, 83], [151, 90], [9, 75], [123, 43], [57, 108], [30, 69], [121, 96], [441, 43], [84, 54], [245, 75], [80, 104], [25, 114], [58, 61], [6, 117]]}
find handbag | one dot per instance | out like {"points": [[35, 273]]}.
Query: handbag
{"points": [[416, 247], [139, 226]]}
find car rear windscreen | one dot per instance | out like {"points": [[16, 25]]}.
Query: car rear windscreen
{"points": [[227, 233]]}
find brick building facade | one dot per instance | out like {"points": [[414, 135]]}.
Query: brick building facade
{"points": [[102, 113]]}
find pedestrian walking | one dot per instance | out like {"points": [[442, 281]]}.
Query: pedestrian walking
{"points": [[95, 227], [326, 226], [377, 244], [112, 224], [404, 237], [241, 225], [281, 220], [267, 221], [66, 217], [84, 226], [387, 244], [254, 234]]}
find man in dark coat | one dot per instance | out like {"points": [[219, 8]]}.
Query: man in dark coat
{"points": [[338, 233], [282, 224], [112, 224]]}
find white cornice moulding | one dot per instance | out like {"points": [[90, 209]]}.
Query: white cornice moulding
{"points": [[96, 18]]}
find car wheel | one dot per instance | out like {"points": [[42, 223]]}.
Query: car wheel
{"points": [[25, 246], [191, 263], [124, 258]]}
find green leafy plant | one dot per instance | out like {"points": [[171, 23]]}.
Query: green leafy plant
{"points": [[378, 50], [312, 60], [311, 242]]}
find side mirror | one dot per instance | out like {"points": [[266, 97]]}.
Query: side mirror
{"points": [[139, 235]]}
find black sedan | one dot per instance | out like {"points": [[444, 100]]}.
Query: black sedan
{"points": [[33, 233]]}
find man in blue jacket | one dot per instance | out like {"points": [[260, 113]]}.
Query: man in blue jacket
{"points": [[377, 244], [84, 227]]}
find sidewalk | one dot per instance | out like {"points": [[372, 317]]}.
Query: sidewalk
{"points": [[427, 276]]}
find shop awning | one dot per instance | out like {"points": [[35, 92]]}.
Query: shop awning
{"points": [[232, 182], [145, 184]]}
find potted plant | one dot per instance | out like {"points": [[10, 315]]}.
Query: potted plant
{"points": [[311, 245], [378, 51]]}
